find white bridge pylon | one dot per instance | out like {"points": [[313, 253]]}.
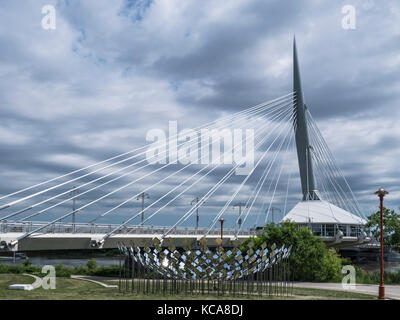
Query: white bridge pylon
{"points": [[332, 215], [35, 217]]}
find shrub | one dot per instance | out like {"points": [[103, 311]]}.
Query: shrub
{"points": [[310, 259], [18, 269], [112, 271], [331, 266], [27, 262], [373, 277], [91, 264], [81, 270], [62, 271]]}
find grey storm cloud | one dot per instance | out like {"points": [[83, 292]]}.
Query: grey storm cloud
{"points": [[112, 71]]}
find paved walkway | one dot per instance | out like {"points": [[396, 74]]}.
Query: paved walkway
{"points": [[38, 280], [392, 291], [95, 280], [35, 285]]}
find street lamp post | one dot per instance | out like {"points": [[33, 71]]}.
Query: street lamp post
{"points": [[222, 226], [381, 193], [74, 192], [142, 196], [239, 220], [196, 201]]}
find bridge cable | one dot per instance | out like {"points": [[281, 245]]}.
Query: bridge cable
{"points": [[102, 215], [332, 167], [118, 156], [68, 214], [289, 140], [98, 186], [331, 159], [161, 208], [277, 181], [238, 189], [260, 185], [205, 197]]}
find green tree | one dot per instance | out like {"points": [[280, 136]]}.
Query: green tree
{"points": [[91, 264], [27, 262], [62, 271], [310, 259], [391, 226]]}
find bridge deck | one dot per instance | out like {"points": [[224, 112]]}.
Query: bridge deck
{"points": [[61, 236], [72, 241]]}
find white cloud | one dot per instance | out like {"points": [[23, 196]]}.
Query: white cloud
{"points": [[112, 70]]}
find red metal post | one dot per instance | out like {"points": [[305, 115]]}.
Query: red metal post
{"points": [[381, 284], [222, 226], [381, 193]]}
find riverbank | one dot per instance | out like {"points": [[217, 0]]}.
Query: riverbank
{"points": [[70, 260]]}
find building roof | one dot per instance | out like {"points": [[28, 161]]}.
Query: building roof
{"points": [[320, 211]]}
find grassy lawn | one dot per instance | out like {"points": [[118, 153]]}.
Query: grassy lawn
{"points": [[73, 289]]}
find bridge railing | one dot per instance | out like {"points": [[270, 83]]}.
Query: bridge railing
{"points": [[23, 227]]}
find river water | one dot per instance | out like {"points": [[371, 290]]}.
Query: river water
{"points": [[73, 261], [374, 266]]}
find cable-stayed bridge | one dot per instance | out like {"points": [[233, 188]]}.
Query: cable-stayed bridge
{"points": [[281, 139]]}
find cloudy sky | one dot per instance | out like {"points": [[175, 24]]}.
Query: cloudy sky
{"points": [[113, 70]]}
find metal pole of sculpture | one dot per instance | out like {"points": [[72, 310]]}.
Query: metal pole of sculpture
{"points": [[184, 270]]}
